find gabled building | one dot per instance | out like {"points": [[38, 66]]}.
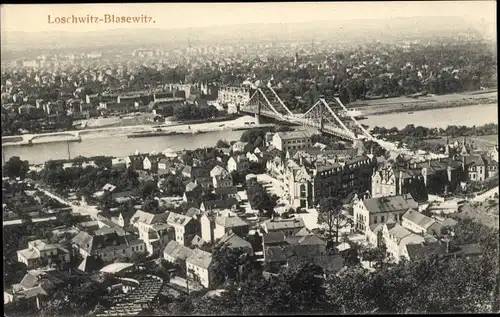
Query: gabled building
{"points": [[185, 227], [420, 224], [237, 162], [200, 267], [221, 177], [372, 211], [153, 230], [396, 238], [284, 141], [108, 247], [41, 253], [288, 227], [177, 253], [232, 240]]}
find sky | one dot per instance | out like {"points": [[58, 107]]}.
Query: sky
{"points": [[36, 18]]}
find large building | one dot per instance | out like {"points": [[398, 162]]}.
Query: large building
{"points": [[373, 211], [292, 140], [399, 178], [309, 181], [233, 97]]}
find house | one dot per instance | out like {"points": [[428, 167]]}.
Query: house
{"points": [[185, 227], [136, 162], [253, 157], [42, 253], [419, 223], [91, 264], [276, 257], [226, 192], [34, 284], [177, 253], [150, 163], [434, 176], [422, 251], [108, 247], [381, 210], [285, 141], [219, 204], [198, 242], [396, 238], [123, 219], [272, 239], [475, 167], [289, 227], [233, 241], [230, 224], [199, 267], [221, 177], [237, 162], [153, 230]]}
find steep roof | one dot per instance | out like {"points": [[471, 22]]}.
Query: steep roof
{"points": [[418, 218], [177, 250], [176, 219], [218, 171], [148, 218], [191, 212], [281, 224], [476, 160], [230, 222], [234, 241], [388, 204], [399, 232], [273, 237], [200, 258]]}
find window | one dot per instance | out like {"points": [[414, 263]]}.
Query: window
{"points": [[303, 190], [375, 219], [382, 219]]}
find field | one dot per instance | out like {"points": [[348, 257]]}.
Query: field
{"points": [[402, 104]]}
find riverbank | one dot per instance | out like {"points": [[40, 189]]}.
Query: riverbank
{"points": [[180, 128]]}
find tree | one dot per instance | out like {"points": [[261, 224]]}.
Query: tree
{"points": [[259, 198], [15, 167], [227, 263], [330, 214], [222, 144]]}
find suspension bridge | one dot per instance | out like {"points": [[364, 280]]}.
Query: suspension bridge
{"points": [[332, 118]]}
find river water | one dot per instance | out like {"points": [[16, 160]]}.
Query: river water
{"points": [[116, 145], [121, 146], [437, 118]]}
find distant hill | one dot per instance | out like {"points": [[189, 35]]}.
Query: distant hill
{"points": [[249, 33]]}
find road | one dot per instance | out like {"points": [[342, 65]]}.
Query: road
{"points": [[85, 210], [489, 194]]}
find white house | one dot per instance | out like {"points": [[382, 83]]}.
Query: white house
{"points": [[199, 267], [40, 253], [396, 238], [292, 140], [253, 157], [221, 177], [177, 253], [229, 224], [289, 227], [185, 227], [153, 229], [372, 211], [237, 162], [108, 247], [419, 223]]}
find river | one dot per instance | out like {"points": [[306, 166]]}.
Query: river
{"points": [[121, 146], [116, 145], [437, 118]]}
